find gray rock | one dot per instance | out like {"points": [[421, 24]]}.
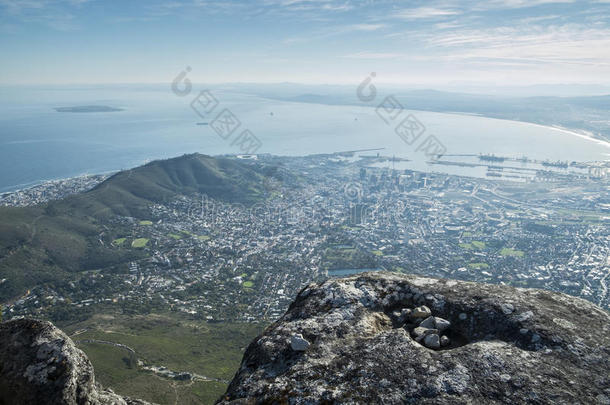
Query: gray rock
{"points": [[405, 313], [420, 331], [441, 324], [358, 346], [421, 312], [298, 343], [428, 323], [39, 364], [507, 308], [445, 341], [432, 341]]}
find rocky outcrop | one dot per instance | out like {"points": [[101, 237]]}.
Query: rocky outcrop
{"points": [[357, 340], [39, 364]]}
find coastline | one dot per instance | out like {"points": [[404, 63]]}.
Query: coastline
{"points": [[27, 186]]}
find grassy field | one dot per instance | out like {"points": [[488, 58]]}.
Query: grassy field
{"points": [[180, 344], [119, 241], [512, 252], [139, 243], [479, 245], [478, 266]]}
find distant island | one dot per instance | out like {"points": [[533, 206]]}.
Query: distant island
{"points": [[88, 109]]}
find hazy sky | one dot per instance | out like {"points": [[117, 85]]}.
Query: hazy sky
{"points": [[495, 42]]}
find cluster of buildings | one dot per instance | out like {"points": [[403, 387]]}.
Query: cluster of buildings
{"points": [[224, 262]]}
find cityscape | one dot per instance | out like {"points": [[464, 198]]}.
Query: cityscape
{"points": [[335, 215]]}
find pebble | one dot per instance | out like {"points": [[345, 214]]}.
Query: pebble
{"points": [[441, 324], [405, 312], [298, 343], [463, 316], [421, 312], [432, 341], [420, 331], [429, 323], [445, 341], [507, 308]]}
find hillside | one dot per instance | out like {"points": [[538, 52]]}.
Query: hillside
{"points": [[54, 241]]}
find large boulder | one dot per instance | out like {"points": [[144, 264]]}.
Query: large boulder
{"points": [[499, 345], [39, 364]]}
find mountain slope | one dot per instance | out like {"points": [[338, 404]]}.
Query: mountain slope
{"points": [[47, 243]]}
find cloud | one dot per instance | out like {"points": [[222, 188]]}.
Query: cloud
{"points": [[374, 55], [54, 14], [557, 44], [425, 13]]}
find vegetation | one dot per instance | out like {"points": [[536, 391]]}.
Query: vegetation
{"points": [[512, 252], [119, 241], [139, 243], [479, 245], [176, 342], [342, 257], [51, 243]]}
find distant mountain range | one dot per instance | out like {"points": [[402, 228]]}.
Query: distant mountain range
{"points": [[586, 113], [53, 241]]}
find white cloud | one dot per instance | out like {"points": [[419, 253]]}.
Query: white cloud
{"points": [[425, 13]]}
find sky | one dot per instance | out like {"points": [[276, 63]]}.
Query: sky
{"points": [[425, 43]]}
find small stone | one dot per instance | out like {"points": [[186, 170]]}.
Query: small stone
{"points": [[421, 312], [428, 323], [298, 343], [445, 341], [507, 308], [420, 331], [525, 316], [405, 312], [523, 331], [441, 324], [397, 316], [432, 341], [535, 338], [505, 378], [463, 316]]}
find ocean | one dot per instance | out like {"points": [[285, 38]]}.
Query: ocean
{"points": [[37, 143]]}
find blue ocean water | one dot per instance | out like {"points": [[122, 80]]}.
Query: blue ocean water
{"points": [[38, 143]]}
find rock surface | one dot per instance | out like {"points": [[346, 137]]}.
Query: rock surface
{"points": [[507, 345], [39, 364]]}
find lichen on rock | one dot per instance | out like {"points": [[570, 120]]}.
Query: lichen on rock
{"points": [[487, 344], [39, 364]]}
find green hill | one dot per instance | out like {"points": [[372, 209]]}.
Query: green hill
{"points": [[52, 242]]}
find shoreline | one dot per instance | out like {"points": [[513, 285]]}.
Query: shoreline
{"points": [[27, 186]]}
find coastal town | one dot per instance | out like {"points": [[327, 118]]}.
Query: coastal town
{"points": [[334, 216]]}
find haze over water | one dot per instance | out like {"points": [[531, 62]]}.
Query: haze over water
{"points": [[37, 143]]}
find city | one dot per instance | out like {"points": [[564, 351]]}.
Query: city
{"points": [[333, 215]]}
